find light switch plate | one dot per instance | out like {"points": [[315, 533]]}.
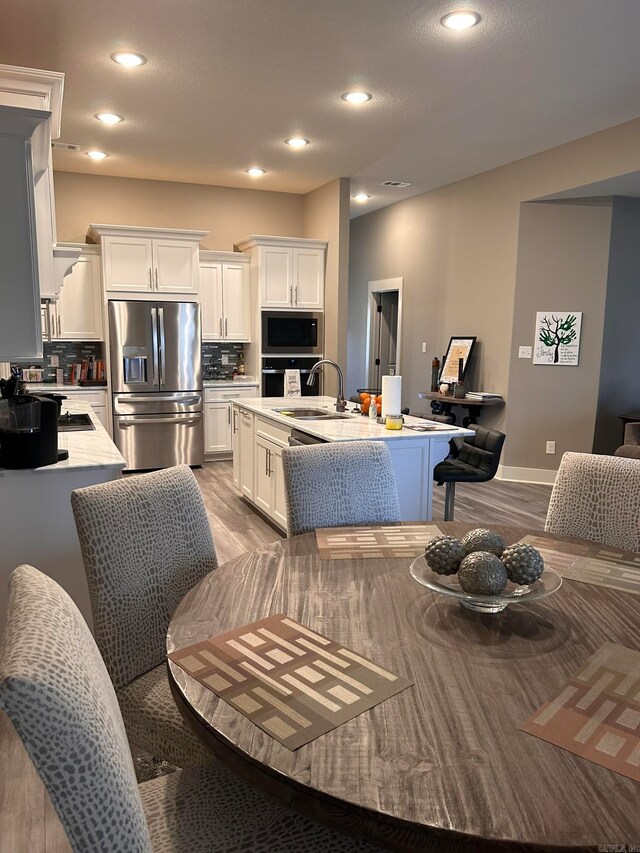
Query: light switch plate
{"points": [[225, 358], [55, 361], [525, 352], [551, 447], [424, 346]]}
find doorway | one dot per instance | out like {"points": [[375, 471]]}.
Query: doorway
{"points": [[384, 328]]}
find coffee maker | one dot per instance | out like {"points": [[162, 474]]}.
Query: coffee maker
{"points": [[29, 431]]}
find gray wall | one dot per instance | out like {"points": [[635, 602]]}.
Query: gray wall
{"points": [[619, 391], [399, 241], [563, 257]]}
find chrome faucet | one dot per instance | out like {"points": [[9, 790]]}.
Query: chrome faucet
{"points": [[341, 403]]}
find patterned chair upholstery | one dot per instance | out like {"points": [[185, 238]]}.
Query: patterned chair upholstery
{"points": [[339, 484], [631, 447], [56, 690], [145, 541], [476, 461], [598, 498]]}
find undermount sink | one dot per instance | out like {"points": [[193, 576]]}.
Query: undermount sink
{"points": [[311, 414]]}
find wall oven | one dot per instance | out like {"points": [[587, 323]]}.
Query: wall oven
{"points": [[292, 333], [273, 376]]}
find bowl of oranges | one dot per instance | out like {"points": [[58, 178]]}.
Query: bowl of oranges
{"points": [[369, 397]]}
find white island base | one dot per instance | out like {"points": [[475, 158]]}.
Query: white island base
{"points": [[35, 507], [260, 433]]}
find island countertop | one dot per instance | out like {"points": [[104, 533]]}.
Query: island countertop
{"points": [[88, 449], [355, 427]]}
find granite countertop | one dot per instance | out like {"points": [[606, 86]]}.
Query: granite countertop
{"points": [[88, 449], [355, 427], [246, 382], [55, 388]]}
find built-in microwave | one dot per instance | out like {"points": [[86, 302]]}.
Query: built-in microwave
{"points": [[292, 333]]}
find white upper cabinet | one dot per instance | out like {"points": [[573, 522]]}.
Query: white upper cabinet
{"points": [[79, 315], [308, 278], [224, 296], [276, 277], [289, 271], [148, 262]]}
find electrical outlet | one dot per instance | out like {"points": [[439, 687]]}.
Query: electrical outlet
{"points": [[525, 352], [551, 447], [424, 346], [55, 361], [225, 358]]}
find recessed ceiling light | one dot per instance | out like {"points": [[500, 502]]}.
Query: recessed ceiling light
{"points": [[97, 155], [361, 197], [128, 59], [297, 142], [109, 118], [255, 172], [356, 97], [461, 19]]}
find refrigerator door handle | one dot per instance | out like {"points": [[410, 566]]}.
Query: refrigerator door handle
{"points": [[163, 398], [163, 364], [154, 343], [168, 419]]}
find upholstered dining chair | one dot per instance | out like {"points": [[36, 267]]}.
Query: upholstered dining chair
{"points": [[145, 542], [339, 484], [476, 461], [598, 498], [57, 692]]}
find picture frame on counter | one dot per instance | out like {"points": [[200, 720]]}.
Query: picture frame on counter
{"points": [[460, 347]]}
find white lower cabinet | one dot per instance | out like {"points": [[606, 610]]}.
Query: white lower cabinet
{"points": [[243, 466], [269, 438], [218, 430]]}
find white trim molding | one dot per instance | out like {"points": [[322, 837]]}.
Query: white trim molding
{"points": [[541, 476], [380, 286]]}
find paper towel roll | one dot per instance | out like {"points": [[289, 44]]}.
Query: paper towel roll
{"points": [[391, 395]]}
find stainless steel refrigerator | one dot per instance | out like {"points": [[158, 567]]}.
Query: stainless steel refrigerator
{"points": [[156, 383]]}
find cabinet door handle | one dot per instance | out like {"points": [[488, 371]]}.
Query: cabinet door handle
{"points": [[220, 326], [229, 415], [269, 462], [291, 295], [296, 294], [266, 462], [157, 286], [226, 327], [235, 421], [150, 279], [59, 324]]}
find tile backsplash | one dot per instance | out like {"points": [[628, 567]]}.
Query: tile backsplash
{"points": [[68, 352], [212, 360]]}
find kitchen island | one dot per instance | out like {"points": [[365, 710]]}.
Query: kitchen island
{"points": [[260, 432], [35, 508]]}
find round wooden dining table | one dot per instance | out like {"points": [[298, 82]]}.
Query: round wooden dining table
{"points": [[441, 765]]}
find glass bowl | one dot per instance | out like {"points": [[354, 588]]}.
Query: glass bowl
{"points": [[547, 583]]}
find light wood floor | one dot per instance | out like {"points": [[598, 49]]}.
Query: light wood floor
{"points": [[28, 823]]}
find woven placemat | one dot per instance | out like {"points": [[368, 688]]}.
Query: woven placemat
{"points": [[590, 563], [596, 714], [292, 682], [354, 543]]}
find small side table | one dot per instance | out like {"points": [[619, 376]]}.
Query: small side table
{"points": [[441, 404]]}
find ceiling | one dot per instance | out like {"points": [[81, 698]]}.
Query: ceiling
{"points": [[227, 81], [621, 185]]}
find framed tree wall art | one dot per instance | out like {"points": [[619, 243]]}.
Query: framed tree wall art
{"points": [[557, 338]]}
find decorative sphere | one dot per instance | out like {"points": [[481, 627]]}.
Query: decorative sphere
{"points": [[482, 539], [524, 564], [443, 555], [483, 573]]}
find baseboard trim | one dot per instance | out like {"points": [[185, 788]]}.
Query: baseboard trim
{"points": [[539, 476]]}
